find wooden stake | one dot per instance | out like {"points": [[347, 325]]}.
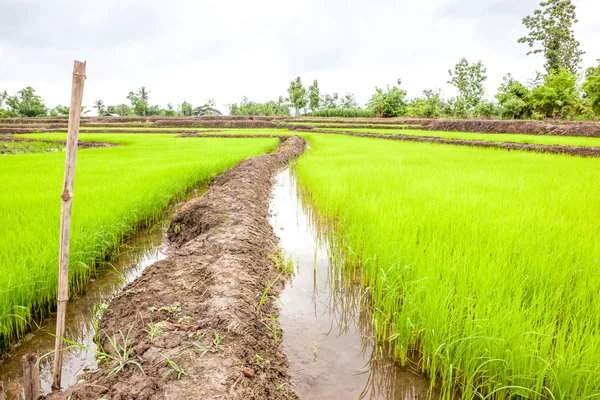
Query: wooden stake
{"points": [[65, 218], [2, 395], [31, 377]]}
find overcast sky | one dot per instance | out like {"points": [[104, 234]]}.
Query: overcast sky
{"points": [[225, 49]]}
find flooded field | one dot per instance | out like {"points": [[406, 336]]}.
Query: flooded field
{"points": [[141, 250], [327, 336]]}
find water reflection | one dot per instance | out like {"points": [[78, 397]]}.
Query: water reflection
{"points": [[326, 324]]}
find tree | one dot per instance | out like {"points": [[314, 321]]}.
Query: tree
{"points": [[349, 101], [251, 108], [388, 104], [26, 103], [514, 98], [169, 111], [313, 96], [551, 33], [428, 106], [208, 108], [591, 87], [100, 107], [3, 96], [297, 93], [329, 101], [468, 79], [557, 95], [186, 109], [60, 111], [139, 101]]}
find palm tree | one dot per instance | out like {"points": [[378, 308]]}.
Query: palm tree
{"points": [[143, 94], [100, 107]]}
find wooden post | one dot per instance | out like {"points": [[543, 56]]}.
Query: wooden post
{"points": [[31, 377], [65, 218], [2, 395]]}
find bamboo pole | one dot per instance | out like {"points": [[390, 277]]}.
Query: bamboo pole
{"points": [[2, 395], [65, 218], [31, 377]]}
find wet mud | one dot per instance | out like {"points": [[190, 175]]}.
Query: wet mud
{"points": [[203, 302]]}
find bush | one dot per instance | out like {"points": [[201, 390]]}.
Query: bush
{"points": [[388, 104], [557, 96], [342, 113]]}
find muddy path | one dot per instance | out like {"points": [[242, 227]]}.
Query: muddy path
{"points": [[80, 144], [581, 151], [191, 324]]}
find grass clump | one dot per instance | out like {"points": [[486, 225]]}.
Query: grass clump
{"points": [[482, 261]]}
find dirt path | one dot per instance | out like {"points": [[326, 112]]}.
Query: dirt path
{"points": [[80, 144], [209, 287], [582, 151]]}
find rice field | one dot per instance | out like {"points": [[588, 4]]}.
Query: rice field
{"points": [[481, 264], [493, 137], [116, 190], [478, 266]]}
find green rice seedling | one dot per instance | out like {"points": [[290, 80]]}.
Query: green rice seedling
{"points": [[117, 190], [272, 324], [203, 350], [483, 262], [153, 330], [265, 294], [217, 339], [283, 264], [122, 348], [97, 312], [173, 368]]}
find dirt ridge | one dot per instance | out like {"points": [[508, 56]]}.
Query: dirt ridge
{"points": [[210, 284], [581, 151]]}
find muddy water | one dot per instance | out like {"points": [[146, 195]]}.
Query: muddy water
{"points": [[322, 319], [138, 252]]}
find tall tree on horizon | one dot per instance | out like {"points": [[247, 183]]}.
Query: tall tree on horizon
{"points": [[100, 107], [297, 94], [468, 79], [551, 33], [314, 99]]}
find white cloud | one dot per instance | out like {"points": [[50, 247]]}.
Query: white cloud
{"points": [[227, 49]]}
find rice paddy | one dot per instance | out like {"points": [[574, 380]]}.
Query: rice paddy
{"points": [[493, 137], [116, 190], [477, 265], [481, 264]]}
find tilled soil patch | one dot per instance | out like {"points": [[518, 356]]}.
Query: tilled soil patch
{"points": [[585, 129], [80, 144], [582, 151], [201, 134], [193, 321]]}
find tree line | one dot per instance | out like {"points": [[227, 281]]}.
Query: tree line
{"points": [[26, 103], [562, 90]]}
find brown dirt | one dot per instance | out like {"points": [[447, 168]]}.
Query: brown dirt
{"points": [[582, 151], [211, 281], [80, 144], [201, 134], [554, 128]]}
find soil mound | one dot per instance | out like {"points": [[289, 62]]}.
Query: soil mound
{"points": [[203, 298]]}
